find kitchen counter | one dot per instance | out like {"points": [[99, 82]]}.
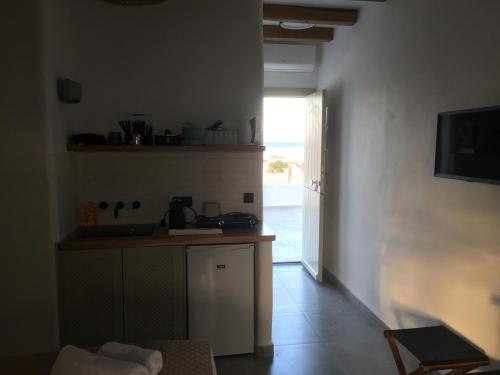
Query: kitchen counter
{"points": [[260, 233]]}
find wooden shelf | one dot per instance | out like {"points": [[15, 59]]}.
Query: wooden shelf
{"points": [[181, 148]]}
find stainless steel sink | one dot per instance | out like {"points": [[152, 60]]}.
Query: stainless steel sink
{"points": [[137, 230]]}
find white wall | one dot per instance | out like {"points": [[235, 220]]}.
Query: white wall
{"points": [[184, 61], [191, 60], [287, 80], [289, 57], [27, 277], [59, 62], [414, 248], [299, 54]]}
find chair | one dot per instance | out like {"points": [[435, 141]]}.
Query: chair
{"points": [[436, 348]]}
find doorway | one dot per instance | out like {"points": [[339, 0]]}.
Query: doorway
{"points": [[283, 174], [294, 177]]}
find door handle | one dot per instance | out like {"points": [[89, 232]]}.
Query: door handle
{"points": [[316, 184]]}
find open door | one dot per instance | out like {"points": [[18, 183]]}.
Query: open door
{"points": [[314, 184]]}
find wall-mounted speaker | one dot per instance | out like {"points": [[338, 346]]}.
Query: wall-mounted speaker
{"points": [[69, 91]]}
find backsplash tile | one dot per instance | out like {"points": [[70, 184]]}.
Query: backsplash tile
{"points": [[153, 179]]}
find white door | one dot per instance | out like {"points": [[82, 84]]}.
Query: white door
{"points": [[314, 184]]}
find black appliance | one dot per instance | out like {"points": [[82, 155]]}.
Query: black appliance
{"points": [[176, 216], [209, 222], [468, 145], [239, 219], [230, 220]]}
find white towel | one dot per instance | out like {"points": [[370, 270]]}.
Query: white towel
{"points": [[74, 361], [151, 359]]}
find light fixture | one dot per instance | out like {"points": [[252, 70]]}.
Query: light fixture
{"points": [[296, 26]]}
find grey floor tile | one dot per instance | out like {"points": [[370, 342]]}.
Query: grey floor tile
{"points": [[280, 268], [243, 365], [286, 222], [286, 254], [305, 359], [297, 280], [316, 330], [283, 303], [311, 300], [293, 329], [361, 361]]}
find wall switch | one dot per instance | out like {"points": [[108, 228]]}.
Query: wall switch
{"points": [[247, 197]]}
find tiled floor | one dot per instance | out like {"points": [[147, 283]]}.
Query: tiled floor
{"points": [[286, 222], [316, 331]]}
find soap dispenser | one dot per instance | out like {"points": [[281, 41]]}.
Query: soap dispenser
{"points": [[89, 215]]}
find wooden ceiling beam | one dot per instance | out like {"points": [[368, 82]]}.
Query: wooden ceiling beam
{"points": [[276, 34], [317, 16]]}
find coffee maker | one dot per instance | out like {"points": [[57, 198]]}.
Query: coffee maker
{"points": [[176, 216]]}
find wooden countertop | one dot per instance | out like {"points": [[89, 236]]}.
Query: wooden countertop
{"points": [[260, 233]]}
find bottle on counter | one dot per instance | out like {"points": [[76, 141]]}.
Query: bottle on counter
{"points": [[89, 216]]}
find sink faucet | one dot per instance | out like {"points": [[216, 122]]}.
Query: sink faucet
{"points": [[118, 206]]}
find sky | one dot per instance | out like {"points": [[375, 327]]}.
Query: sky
{"points": [[284, 120]]}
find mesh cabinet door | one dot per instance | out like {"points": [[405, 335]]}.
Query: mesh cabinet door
{"points": [[90, 297], [154, 293]]}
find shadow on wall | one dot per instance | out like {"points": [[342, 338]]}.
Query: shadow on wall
{"points": [[408, 317], [343, 246], [495, 299], [416, 268]]}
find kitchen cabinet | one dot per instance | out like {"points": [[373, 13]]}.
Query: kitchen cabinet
{"points": [[126, 295], [154, 280], [90, 297]]}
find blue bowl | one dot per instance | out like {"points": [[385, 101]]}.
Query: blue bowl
{"points": [[194, 134]]}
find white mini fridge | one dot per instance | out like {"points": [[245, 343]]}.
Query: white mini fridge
{"points": [[221, 297]]}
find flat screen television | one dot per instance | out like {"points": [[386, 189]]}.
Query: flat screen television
{"points": [[468, 145]]}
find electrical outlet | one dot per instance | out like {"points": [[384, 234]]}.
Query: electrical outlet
{"points": [[247, 197], [187, 201]]}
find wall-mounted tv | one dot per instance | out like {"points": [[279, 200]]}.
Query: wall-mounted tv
{"points": [[468, 145]]}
